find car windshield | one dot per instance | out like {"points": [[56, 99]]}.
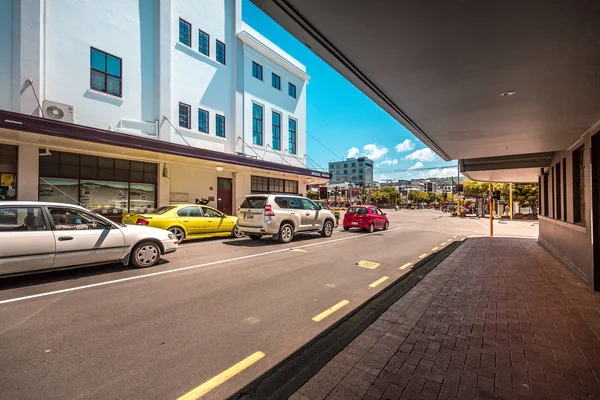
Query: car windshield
{"points": [[254, 202], [162, 210]]}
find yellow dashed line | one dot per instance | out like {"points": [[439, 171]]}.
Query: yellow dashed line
{"points": [[443, 244], [408, 264], [379, 281], [330, 311], [367, 264], [222, 377], [423, 255], [435, 248]]}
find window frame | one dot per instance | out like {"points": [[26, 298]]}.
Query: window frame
{"points": [[578, 167], [260, 68], [261, 120], [273, 77], [200, 33], [207, 113], [189, 108], [293, 134], [564, 188], [290, 86], [217, 118], [262, 185], [218, 42], [273, 126], [106, 74], [190, 26], [558, 192]]}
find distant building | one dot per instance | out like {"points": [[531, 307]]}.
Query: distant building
{"points": [[358, 171]]}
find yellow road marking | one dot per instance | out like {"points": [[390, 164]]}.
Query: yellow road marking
{"points": [[423, 255], [222, 377], [330, 311], [298, 250], [455, 237], [434, 249], [252, 320], [443, 244], [367, 264], [379, 281], [408, 264]]}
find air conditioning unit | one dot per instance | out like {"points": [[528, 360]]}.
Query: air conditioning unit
{"points": [[58, 111]]}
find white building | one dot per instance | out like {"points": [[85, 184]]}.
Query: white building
{"points": [[170, 102]]}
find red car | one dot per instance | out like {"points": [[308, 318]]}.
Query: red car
{"points": [[368, 218]]}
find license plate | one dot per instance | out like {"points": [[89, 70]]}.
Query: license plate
{"points": [[249, 216], [355, 223]]}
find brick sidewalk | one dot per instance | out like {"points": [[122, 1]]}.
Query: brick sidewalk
{"points": [[499, 318]]}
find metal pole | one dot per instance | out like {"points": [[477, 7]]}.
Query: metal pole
{"points": [[491, 210], [457, 183], [511, 201]]}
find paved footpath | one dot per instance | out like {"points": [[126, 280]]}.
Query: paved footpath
{"points": [[499, 318]]}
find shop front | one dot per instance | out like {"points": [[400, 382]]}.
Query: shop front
{"points": [[8, 171]]}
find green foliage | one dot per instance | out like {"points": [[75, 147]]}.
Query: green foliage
{"points": [[525, 193]]}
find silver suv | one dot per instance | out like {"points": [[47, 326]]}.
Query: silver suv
{"points": [[282, 216]]}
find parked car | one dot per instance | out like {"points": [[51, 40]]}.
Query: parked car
{"points": [[283, 216], [36, 236], [367, 218], [324, 206], [188, 221]]}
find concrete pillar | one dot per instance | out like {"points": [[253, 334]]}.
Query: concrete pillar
{"points": [[165, 47], [164, 186], [31, 40], [28, 173]]}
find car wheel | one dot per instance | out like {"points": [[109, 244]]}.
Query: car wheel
{"points": [[346, 228], [145, 254], [178, 232], [337, 222], [327, 229], [286, 233], [386, 226], [371, 228], [236, 233], [254, 237]]}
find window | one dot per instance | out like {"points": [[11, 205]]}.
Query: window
{"points": [[184, 115], [564, 187], [220, 124], [558, 192], [345, 172], [578, 186], [203, 120], [8, 171], [22, 219], [345, 165], [66, 219], [291, 187], [276, 131], [292, 136], [192, 211], [276, 81], [292, 90], [553, 197], [337, 166], [257, 124], [211, 212], [261, 184], [185, 32], [353, 164], [105, 72], [257, 71], [545, 194], [276, 185], [221, 52], [309, 205], [203, 43]]}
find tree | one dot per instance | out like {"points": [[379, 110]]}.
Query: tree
{"points": [[475, 189], [526, 194]]}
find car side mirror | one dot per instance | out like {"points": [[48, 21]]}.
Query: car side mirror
{"points": [[384, 213], [319, 208]]}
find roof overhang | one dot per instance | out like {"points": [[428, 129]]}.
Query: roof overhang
{"points": [[522, 168], [440, 68], [11, 124]]}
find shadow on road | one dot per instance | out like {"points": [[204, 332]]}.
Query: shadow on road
{"points": [[74, 273]]}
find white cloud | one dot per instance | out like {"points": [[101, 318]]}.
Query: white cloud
{"points": [[381, 177], [421, 155], [418, 164], [353, 152], [373, 151], [439, 173], [407, 145], [388, 161]]}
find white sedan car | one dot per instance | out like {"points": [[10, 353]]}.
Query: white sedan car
{"points": [[37, 236]]}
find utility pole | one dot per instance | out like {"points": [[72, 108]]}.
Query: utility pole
{"points": [[457, 183], [511, 200], [491, 210]]}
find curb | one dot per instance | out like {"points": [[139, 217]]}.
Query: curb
{"points": [[285, 378]]}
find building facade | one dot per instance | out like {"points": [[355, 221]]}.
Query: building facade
{"points": [[358, 171], [124, 108]]}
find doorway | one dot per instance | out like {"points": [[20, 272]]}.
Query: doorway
{"points": [[596, 208], [224, 195]]}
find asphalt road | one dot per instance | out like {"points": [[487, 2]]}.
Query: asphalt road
{"points": [[111, 333]]}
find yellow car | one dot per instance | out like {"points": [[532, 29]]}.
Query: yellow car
{"points": [[188, 221]]}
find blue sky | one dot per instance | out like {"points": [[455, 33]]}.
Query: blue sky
{"points": [[345, 120]]}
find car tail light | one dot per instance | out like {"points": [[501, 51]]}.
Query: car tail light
{"points": [[142, 221], [269, 211]]}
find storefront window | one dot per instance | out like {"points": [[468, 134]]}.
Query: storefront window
{"points": [[8, 172], [104, 197], [59, 190], [141, 198]]}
